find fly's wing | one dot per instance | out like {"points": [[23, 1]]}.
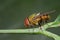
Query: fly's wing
{"points": [[49, 12], [37, 15]]}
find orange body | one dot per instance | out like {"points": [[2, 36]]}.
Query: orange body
{"points": [[35, 20], [45, 17]]}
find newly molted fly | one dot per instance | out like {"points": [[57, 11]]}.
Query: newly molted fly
{"points": [[37, 19]]}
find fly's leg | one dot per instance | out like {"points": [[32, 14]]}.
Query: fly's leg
{"points": [[40, 24]]}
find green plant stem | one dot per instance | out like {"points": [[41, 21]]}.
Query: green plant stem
{"points": [[52, 35], [36, 31], [51, 24]]}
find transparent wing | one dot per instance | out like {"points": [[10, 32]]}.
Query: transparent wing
{"points": [[49, 12]]}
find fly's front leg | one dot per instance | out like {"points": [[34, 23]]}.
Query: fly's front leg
{"points": [[32, 25]]}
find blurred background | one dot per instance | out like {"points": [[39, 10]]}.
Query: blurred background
{"points": [[13, 13]]}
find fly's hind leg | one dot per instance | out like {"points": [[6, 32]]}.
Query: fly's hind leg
{"points": [[47, 21]]}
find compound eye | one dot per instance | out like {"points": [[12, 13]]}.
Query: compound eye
{"points": [[26, 22]]}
